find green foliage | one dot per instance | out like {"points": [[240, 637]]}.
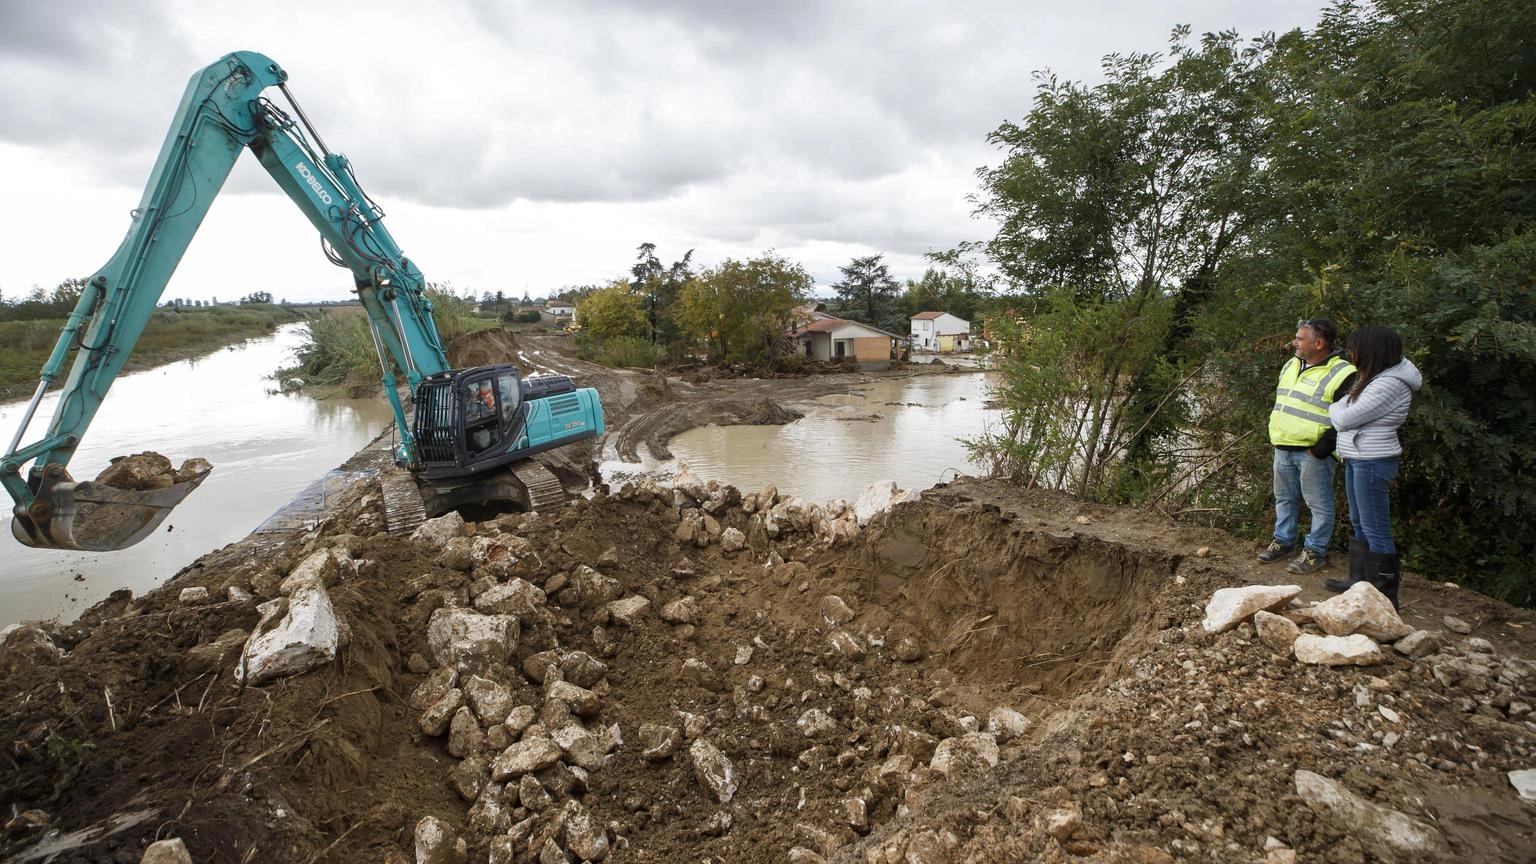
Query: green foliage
{"points": [[1378, 169], [1068, 408], [741, 310], [659, 287], [526, 316], [625, 352], [256, 297], [941, 290], [611, 313], [337, 352], [867, 291]]}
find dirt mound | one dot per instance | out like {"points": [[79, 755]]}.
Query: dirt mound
{"points": [[485, 348], [982, 675]]}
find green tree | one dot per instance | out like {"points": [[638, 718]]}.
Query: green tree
{"points": [[658, 286], [256, 297], [1110, 199], [867, 289], [741, 310], [610, 313]]}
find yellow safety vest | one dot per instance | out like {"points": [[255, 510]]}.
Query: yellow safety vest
{"points": [[1300, 416]]}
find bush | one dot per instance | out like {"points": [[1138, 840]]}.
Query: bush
{"points": [[629, 352]]}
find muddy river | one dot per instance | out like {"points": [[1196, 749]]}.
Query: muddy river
{"points": [[908, 431], [265, 448]]}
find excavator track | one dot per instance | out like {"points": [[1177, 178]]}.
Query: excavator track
{"points": [[545, 491], [403, 507]]}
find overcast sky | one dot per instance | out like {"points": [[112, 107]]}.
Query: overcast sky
{"points": [[530, 146]]}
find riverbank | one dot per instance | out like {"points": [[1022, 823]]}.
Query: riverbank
{"points": [[171, 335]]}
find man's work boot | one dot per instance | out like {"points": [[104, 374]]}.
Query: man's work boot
{"points": [[1358, 549], [1384, 570], [1307, 562], [1274, 551]]}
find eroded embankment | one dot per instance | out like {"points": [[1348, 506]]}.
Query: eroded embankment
{"points": [[827, 679], [667, 675]]}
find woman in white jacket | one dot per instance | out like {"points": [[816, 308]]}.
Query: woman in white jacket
{"points": [[1367, 421]]}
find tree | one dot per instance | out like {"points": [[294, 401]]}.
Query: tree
{"points": [[256, 297], [658, 286], [610, 313], [741, 310], [1109, 197], [866, 289]]}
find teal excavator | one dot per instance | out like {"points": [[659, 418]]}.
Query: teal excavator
{"points": [[473, 430]]}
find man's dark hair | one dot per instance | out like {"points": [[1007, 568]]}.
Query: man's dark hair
{"points": [[1324, 328]]}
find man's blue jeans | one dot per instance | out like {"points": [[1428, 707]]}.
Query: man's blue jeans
{"points": [[1368, 487], [1302, 477]]}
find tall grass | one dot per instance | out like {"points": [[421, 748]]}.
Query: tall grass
{"points": [[338, 353], [170, 335]]}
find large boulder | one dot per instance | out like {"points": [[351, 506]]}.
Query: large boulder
{"points": [[1229, 607], [304, 638]]}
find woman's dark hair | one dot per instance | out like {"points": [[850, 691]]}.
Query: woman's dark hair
{"points": [[1373, 349]]}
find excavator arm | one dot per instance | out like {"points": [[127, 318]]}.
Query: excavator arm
{"points": [[222, 113]]}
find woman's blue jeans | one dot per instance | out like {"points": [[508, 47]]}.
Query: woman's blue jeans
{"points": [[1368, 488], [1301, 477]]}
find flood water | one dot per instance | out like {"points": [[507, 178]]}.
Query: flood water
{"points": [[265, 448], [907, 431]]}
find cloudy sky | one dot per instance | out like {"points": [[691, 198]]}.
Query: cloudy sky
{"points": [[529, 146]]}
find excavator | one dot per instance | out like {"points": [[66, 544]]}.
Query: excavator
{"points": [[473, 430]]}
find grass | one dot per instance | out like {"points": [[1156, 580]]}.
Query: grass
{"points": [[170, 335]]}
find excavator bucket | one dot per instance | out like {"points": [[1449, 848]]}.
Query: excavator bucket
{"points": [[95, 517]]}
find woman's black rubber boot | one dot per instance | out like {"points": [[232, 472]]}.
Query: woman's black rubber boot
{"points": [[1358, 549], [1383, 569]]}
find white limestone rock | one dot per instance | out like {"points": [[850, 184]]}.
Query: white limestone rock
{"points": [[1385, 832], [714, 771], [1361, 609], [1276, 631], [458, 636], [305, 638], [1006, 724], [433, 534], [628, 610], [1229, 607], [517, 597], [525, 757], [973, 750], [437, 844], [1355, 650]]}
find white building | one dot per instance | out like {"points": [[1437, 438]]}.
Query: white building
{"points": [[559, 308], [940, 332]]}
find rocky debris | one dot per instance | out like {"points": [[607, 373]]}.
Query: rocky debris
{"points": [[1361, 609], [147, 471], [434, 534], [306, 635], [1356, 650], [878, 498], [436, 843], [1524, 782], [714, 771], [1229, 607], [809, 699], [1384, 831], [194, 596], [172, 851]]}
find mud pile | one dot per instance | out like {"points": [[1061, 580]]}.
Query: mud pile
{"points": [[699, 674]]}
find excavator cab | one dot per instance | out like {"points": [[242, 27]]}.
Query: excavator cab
{"points": [[471, 421]]}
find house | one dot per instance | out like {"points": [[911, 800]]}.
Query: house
{"points": [[560, 308], [826, 338], [940, 332]]}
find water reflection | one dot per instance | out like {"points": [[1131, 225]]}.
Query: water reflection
{"points": [[907, 431], [265, 447]]}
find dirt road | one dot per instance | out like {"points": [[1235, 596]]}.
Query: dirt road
{"points": [[706, 674]]}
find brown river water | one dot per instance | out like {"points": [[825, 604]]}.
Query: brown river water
{"points": [[265, 449]]}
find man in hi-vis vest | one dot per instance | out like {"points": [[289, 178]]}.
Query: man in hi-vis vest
{"points": [[1304, 439]]}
